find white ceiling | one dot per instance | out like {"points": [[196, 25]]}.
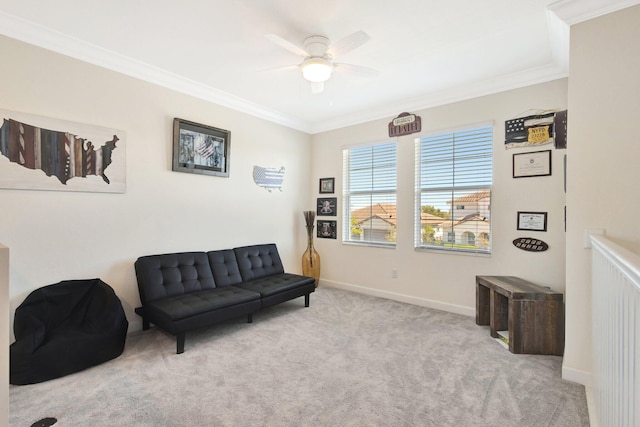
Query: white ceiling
{"points": [[427, 52]]}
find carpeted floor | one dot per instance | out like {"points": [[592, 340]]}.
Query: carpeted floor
{"points": [[348, 360]]}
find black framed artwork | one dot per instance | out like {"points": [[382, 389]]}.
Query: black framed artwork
{"points": [[532, 221], [536, 163], [327, 185], [327, 206], [200, 148], [327, 229]]}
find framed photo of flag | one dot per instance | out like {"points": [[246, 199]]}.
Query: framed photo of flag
{"points": [[200, 148]]}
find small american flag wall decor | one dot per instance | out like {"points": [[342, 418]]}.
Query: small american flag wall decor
{"points": [[268, 178]]}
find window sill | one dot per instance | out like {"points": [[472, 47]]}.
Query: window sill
{"points": [[450, 252], [371, 245]]}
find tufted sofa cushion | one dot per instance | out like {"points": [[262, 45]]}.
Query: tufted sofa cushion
{"points": [[162, 276], [269, 286], [225, 267], [182, 306], [258, 261]]}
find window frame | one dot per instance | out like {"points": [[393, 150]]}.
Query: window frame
{"points": [[421, 189], [348, 192]]}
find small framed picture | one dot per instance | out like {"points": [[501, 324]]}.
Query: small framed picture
{"points": [[327, 206], [326, 185], [200, 149], [532, 221], [537, 163], [326, 229]]}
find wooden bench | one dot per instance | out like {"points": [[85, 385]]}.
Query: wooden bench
{"points": [[533, 315]]}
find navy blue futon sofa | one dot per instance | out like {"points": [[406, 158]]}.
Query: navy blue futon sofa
{"points": [[184, 291]]}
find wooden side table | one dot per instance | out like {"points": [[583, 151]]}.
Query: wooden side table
{"points": [[533, 315]]}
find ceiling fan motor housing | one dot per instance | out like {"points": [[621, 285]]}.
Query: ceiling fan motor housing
{"points": [[316, 46]]}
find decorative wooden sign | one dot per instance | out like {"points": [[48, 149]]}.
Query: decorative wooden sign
{"points": [[530, 244], [405, 124]]}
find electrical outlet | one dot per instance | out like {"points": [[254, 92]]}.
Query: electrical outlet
{"points": [[394, 274]]}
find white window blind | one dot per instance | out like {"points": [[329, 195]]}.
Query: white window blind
{"points": [[369, 194], [454, 176]]}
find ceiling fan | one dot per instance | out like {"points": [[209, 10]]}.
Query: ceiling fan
{"points": [[317, 66]]}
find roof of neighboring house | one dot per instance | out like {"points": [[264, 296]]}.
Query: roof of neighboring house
{"points": [[387, 212], [384, 211], [468, 218], [427, 218], [473, 197]]}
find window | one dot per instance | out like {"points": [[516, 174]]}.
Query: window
{"points": [[370, 194], [454, 175]]}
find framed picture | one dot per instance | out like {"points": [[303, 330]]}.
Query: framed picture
{"points": [[326, 185], [200, 149], [532, 221], [536, 163], [327, 206], [326, 229]]}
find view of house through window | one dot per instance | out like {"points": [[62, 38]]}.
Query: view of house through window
{"points": [[370, 194], [454, 175]]}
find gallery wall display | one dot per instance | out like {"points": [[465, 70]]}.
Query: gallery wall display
{"points": [[200, 149], [532, 221], [531, 164], [327, 206], [43, 153], [544, 127], [327, 185], [327, 229]]}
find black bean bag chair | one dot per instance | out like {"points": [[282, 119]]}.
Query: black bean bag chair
{"points": [[65, 328]]}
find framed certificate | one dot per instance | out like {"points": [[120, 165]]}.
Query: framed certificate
{"points": [[532, 221], [536, 163]]}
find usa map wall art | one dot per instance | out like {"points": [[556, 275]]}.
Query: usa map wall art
{"points": [[42, 153]]}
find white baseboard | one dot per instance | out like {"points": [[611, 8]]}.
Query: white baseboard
{"points": [[451, 308], [576, 376], [586, 379]]}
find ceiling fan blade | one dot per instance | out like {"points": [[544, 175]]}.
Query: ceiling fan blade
{"points": [[364, 71], [283, 68], [348, 43], [287, 45]]}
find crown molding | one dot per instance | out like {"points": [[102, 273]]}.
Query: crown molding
{"points": [[448, 96], [29, 32], [576, 11]]}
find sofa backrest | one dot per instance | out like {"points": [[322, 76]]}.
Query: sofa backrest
{"points": [[258, 261], [225, 267], [161, 276]]}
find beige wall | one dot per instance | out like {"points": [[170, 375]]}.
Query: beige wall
{"points": [[57, 235], [603, 153], [444, 280]]}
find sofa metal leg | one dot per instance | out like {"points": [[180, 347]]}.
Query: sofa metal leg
{"points": [[145, 324], [306, 300], [180, 342], [250, 318]]}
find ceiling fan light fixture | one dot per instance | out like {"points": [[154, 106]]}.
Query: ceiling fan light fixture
{"points": [[316, 70]]}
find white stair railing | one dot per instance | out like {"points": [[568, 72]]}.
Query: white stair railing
{"points": [[616, 334]]}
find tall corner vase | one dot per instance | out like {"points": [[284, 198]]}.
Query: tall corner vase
{"points": [[311, 258]]}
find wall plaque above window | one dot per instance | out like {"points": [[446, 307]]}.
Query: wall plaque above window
{"points": [[405, 124]]}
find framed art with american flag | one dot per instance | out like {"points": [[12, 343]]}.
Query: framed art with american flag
{"points": [[200, 148]]}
